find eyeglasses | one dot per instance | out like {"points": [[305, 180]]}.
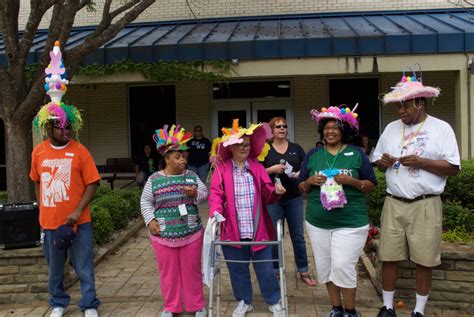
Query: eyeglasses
{"points": [[244, 146], [280, 126]]}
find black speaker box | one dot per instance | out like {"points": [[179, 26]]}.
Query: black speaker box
{"points": [[19, 225]]}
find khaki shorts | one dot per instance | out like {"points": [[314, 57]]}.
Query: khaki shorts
{"points": [[411, 229]]}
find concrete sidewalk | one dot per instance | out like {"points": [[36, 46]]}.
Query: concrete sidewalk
{"points": [[128, 285]]}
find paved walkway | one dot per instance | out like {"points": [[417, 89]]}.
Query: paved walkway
{"points": [[128, 285]]}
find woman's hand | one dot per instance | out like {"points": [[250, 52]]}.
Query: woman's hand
{"points": [[276, 169], [154, 227], [316, 180], [279, 189], [190, 191], [343, 179]]}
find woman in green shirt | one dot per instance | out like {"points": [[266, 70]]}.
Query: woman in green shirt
{"points": [[335, 178]]}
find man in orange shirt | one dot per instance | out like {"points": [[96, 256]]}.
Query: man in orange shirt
{"points": [[66, 178]]}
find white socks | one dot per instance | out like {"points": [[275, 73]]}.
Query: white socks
{"points": [[420, 303], [388, 299]]}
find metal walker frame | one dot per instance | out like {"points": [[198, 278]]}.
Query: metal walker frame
{"points": [[215, 266]]}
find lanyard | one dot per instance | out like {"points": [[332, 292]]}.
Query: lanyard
{"points": [[330, 167], [413, 134]]}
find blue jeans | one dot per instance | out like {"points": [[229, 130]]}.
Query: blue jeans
{"points": [[240, 274], [201, 171], [292, 211], [82, 261]]}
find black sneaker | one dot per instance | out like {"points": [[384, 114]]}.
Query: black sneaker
{"points": [[384, 312], [417, 314]]}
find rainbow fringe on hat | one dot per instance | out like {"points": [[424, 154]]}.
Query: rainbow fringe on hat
{"points": [[67, 116], [173, 139]]}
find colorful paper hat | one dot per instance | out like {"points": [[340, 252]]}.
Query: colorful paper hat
{"points": [[410, 88], [257, 133], [67, 116], [173, 140], [341, 113]]}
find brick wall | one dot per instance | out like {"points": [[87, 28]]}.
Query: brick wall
{"points": [[193, 105], [104, 109], [453, 280], [166, 10], [308, 92], [24, 276]]}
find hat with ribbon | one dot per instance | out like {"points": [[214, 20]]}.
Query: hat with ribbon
{"points": [[342, 114], [410, 87], [64, 237], [257, 133], [173, 139]]}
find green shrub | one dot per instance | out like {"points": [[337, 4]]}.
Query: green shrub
{"points": [[457, 235], [461, 187], [455, 216], [102, 191], [117, 207], [3, 197], [101, 224], [132, 196], [376, 198]]}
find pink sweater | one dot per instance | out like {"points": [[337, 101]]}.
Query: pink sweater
{"points": [[221, 199]]}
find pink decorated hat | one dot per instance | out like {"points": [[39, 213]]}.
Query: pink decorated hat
{"points": [[410, 87], [341, 113], [257, 133]]}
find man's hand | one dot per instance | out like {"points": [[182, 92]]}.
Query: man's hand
{"points": [[71, 219], [387, 160], [154, 228], [412, 160], [279, 189], [343, 179], [190, 191]]}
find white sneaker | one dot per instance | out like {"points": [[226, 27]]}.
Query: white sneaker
{"points": [[201, 313], [276, 309], [57, 312], [241, 309], [91, 312], [165, 313]]}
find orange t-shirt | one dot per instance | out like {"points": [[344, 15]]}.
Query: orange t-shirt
{"points": [[63, 174]]}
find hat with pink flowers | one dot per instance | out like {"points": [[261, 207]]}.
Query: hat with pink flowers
{"points": [[342, 113]]}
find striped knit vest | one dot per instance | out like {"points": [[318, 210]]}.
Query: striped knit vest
{"points": [[168, 193]]}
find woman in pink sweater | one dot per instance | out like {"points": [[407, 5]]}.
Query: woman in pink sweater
{"points": [[240, 190]]}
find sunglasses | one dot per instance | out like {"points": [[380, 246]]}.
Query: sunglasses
{"points": [[280, 126]]}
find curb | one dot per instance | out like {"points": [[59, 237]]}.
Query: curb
{"points": [[369, 267]]}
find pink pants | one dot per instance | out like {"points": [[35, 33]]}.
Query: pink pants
{"points": [[180, 276]]}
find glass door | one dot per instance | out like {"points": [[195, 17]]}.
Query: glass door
{"points": [[250, 112], [224, 112], [264, 111]]}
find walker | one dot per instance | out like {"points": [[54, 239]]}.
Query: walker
{"points": [[216, 260]]}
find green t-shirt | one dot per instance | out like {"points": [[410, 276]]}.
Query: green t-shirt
{"points": [[352, 161]]}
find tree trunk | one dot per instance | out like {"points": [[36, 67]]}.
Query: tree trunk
{"points": [[18, 140]]}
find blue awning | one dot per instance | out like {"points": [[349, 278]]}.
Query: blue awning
{"points": [[288, 36]]}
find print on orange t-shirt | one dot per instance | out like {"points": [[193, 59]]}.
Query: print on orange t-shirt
{"points": [[63, 174]]}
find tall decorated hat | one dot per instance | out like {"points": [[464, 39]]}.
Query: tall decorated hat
{"points": [[66, 116], [342, 114], [410, 87], [173, 139], [257, 133]]}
